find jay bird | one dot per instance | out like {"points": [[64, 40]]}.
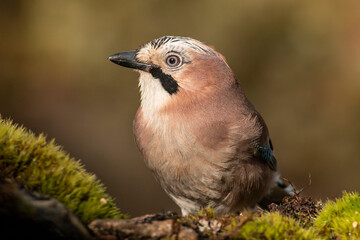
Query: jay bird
{"points": [[203, 140]]}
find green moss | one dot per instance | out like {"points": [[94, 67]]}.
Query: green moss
{"points": [[44, 167], [207, 212], [275, 226], [248, 225], [341, 218]]}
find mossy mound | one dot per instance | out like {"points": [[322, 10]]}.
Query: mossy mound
{"points": [[297, 217], [340, 219], [275, 226], [248, 225], [42, 166]]}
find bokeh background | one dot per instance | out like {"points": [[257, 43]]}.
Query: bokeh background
{"points": [[298, 61]]}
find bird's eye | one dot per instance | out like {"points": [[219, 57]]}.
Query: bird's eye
{"points": [[173, 61]]}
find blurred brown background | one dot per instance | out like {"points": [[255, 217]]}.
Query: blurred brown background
{"points": [[298, 61]]}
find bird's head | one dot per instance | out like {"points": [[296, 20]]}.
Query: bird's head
{"points": [[176, 68]]}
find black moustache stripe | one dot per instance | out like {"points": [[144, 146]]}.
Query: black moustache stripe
{"points": [[167, 81]]}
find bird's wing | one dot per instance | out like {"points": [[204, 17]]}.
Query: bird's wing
{"points": [[263, 147], [265, 153]]}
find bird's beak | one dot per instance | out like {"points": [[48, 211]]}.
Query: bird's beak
{"points": [[128, 59]]}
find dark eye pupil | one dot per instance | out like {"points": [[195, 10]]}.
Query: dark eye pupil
{"points": [[173, 61]]}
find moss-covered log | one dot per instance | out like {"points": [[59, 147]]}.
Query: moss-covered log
{"points": [[338, 219], [30, 164], [42, 166]]}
